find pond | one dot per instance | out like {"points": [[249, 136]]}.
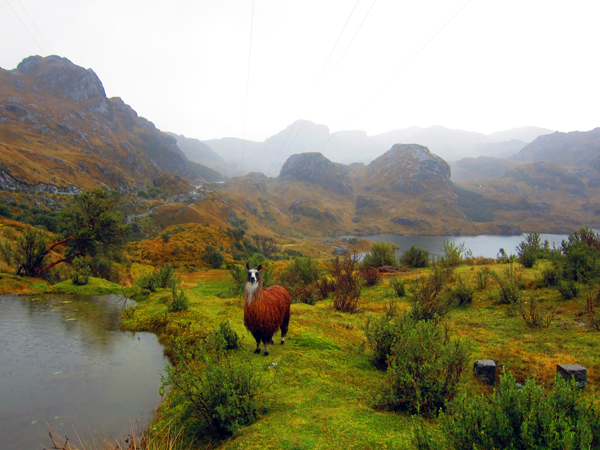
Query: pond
{"points": [[486, 245], [66, 368]]}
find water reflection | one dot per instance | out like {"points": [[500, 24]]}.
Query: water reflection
{"points": [[63, 362]]}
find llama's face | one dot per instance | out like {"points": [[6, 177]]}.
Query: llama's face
{"points": [[253, 274]]}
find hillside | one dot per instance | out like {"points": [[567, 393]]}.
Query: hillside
{"points": [[60, 133]]}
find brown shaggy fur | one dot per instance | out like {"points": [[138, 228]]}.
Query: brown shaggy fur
{"points": [[265, 312]]}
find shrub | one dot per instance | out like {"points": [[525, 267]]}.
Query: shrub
{"points": [[428, 301], [529, 250], [509, 284], [581, 256], [346, 296], [229, 336], [102, 268], [266, 244], [300, 278], [30, 253], [213, 392], [213, 257], [397, 287], [533, 316], [370, 275], [523, 418], [5, 212], [7, 252], [482, 276], [462, 294], [381, 254], [452, 253], [551, 276], [81, 273], [568, 289], [424, 367], [415, 257], [382, 332], [590, 309], [180, 301]]}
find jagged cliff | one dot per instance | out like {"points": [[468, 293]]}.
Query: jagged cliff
{"points": [[60, 133]]}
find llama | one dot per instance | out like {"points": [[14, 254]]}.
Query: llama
{"points": [[265, 310]]}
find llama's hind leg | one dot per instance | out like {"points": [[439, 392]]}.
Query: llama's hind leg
{"points": [[257, 338], [267, 345], [284, 327]]}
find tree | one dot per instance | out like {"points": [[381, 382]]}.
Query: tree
{"points": [[92, 222], [30, 254]]}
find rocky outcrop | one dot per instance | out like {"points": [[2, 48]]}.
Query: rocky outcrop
{"points": [[302, 208], [365, 205], [101, 141], [409, 168], [314, 168]]}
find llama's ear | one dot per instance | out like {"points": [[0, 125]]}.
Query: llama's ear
{"points": [[259, 268], [247, 266]]}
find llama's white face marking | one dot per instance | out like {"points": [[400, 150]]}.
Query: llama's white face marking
{"points": [[251, 284]]}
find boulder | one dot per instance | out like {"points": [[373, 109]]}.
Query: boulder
{"points": [[485, 370], [568, 371]]}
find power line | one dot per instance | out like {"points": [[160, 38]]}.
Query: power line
{"points": [[359, 27], [314, 86], [335, 45], [247, 85], [38, 30], [25, 26], [396, 74]]}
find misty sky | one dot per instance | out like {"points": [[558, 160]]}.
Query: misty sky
{"points": [[184, 64]]}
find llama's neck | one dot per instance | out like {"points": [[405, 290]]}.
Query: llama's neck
{"points": [[253, 292]]}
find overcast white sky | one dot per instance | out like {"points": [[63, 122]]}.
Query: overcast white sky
{"points": [[184, 64]]}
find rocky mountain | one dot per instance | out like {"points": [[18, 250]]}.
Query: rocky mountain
{"points": [[574, 149], [60, 133], [352, 146]]}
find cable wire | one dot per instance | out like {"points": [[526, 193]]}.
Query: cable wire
{"points": [[38, 30], [25, 26], [247, 85], [360, 26], [313, 88], [396, 74]]}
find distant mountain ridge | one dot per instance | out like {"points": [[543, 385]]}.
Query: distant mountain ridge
{"points": [[356, 146]]}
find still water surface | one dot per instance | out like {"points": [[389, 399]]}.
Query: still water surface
{"points": [[64, 365], [484, 245]]}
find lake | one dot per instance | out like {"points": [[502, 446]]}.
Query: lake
{"points": [[65, 366], [485, 245]]}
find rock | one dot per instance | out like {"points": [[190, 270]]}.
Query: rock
{"points": [[316, 169], [568, 371], [485, 370], [340, 250]]}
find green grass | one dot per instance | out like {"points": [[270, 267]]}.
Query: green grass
{"points": [[322, 382]]}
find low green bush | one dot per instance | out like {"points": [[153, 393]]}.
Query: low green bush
{"points": [[381, 254], [568, 289], [429, 299], [397, 288], [424, 367], [213, 257], [180, 301], [520, 418], [461, 294], [211, 392], [415, 258]]}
